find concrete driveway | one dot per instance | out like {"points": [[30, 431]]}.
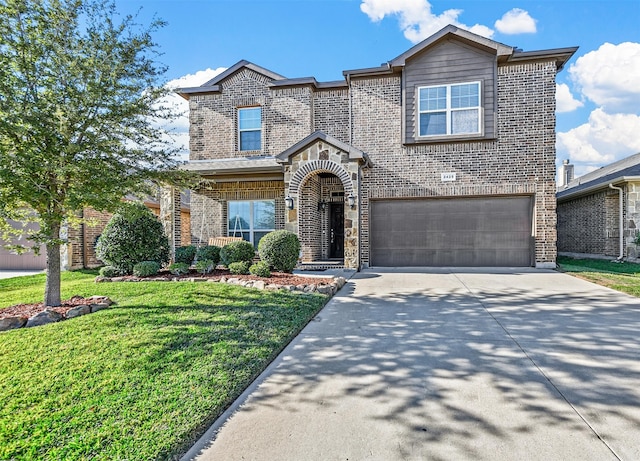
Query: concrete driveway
{"points": [[445, 364], [7, 274]]}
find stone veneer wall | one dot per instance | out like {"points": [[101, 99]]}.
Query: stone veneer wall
{"points": [[520, 161], [309, 219], [209, 206]]}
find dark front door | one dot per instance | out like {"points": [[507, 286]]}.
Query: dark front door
{"points": [[336, 230]]}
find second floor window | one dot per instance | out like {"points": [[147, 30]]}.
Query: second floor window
{"points": [[449, 109], [250, 128]]}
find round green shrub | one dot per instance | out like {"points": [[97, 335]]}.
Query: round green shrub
{"points": [[209, 252], [146, 268], [261, 269], [236, 252], [179, 268], [132, 235], [185, 254], [239, 267], [280, 249], [205, 266], [109, 271]]}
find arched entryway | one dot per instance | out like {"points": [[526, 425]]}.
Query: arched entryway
{"points": [[322, 218]]}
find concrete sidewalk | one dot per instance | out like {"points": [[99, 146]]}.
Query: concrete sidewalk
{"points": [[7, 274], [448, 364]]}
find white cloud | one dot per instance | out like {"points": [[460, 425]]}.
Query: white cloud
{"points": [[604, 139], [416, 19], [565, 102], [516, 21], [609, 76], [179, 128]]}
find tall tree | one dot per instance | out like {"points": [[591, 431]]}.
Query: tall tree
{"points": [[80, 121]]}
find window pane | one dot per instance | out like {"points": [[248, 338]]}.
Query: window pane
{"points": [[433, 98], [250, 140], [257, 236], [466, 95], [433, 124], [464, 121], [239, 217], [264, 214], [250, 119]]}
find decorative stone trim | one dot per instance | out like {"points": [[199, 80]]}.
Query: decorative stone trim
{"points": [[317, 166], [329, 289], [94, 304]]}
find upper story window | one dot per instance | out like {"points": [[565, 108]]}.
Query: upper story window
{"points": [[449, 109], [250, 128]]}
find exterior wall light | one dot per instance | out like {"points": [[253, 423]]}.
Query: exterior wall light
{"points": [[322, 205], [289, 201], [351, 201]]}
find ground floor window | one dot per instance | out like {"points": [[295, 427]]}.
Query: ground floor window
{"points": [[251, 219]]}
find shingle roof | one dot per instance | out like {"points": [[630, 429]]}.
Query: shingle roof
{"points": [[235, 165], [601, 178]]}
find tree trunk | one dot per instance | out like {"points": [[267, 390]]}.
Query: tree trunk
{"points": [[52, 284]]}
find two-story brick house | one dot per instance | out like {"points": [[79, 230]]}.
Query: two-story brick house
{"points": [[443, 156]]}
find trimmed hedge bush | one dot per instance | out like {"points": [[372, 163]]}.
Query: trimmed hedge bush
{"points": [[260, 269], [280, 249], [239, 267], [146, 268], [209, 252], [132, 235], [109, 271], [185, 254], [205, 266], [179, 268], [235, 252]]}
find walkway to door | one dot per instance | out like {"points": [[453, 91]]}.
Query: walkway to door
{"points": [[462, 364]]}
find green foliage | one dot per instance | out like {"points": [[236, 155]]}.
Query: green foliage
{"points": [[138, 380], [205, 266], [239, 267], [210, 252], [261, 269], [280, 249], [146, 268], [109, 271], [79, 114], [132, 235], [236, 252], [185, 254], [179, 268]]}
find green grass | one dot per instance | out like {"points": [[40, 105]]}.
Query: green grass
{"points": [[143, 379], [622, 276]]}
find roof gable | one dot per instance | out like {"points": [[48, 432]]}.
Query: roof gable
{"points": [[354, 154]]}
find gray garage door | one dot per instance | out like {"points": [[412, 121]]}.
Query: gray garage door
{"points": [[465, 232], [25, 261]]}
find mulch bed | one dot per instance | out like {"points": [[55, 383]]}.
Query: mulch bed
{"points": [[280, 278]]}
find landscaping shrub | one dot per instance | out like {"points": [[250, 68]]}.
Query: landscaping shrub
{"points": [[237, 252], [109, 271], [146, 268], [239, 267], [205, 266], [210, 252], [185, 254], [179, 268], [280, 249], [260, 269], [132, 235]]}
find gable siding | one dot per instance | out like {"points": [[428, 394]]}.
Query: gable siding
{"points": [[450, 62]]}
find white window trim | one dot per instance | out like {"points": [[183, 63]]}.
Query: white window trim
{"points": [[247, 130], [251, 229], [448, 110]]}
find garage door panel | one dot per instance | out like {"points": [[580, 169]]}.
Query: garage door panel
{"points": [[486, 231]]}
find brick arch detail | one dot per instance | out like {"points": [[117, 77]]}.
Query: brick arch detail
{"points": [[320, 166]]}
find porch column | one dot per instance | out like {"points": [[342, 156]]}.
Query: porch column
{"points": [[170, 217]]}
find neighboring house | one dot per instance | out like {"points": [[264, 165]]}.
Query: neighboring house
{"points": [[443, 156], [590, 221]]}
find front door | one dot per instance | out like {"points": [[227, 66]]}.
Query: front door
{"points": [[336, 230]]}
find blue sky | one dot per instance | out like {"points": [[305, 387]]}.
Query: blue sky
{"points": [[598, 117]]}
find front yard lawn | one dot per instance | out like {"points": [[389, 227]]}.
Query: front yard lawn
{"points": [[142, 379], [622, 276]]}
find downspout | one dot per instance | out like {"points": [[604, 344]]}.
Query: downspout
{"points": [[621, 221]]}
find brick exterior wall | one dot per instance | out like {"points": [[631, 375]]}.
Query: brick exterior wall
{"points": [[368, 115]]}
